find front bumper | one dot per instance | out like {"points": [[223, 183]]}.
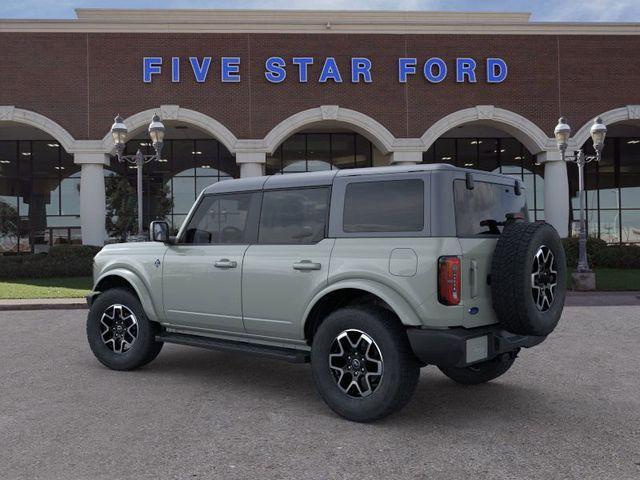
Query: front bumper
{"points": [[460, 347]]}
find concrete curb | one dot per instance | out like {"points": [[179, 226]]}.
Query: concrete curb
{"points": [[43, 304]]}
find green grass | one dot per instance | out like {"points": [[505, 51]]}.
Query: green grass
{"points": [[614, 279], [71, 287]]}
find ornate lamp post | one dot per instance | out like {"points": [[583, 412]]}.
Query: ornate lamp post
{"points": [[156, 132], [562, 133]]}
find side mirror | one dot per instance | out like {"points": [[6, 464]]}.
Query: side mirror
{"points": [[159, 231]]}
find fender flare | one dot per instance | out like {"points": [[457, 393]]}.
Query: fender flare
{"points": [[398, 304], [141, 289]]}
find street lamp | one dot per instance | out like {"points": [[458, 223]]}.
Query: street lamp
{"points": [[562, 133], [119, 133]]}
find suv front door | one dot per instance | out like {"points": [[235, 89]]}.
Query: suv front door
{"points": [[290, 263], [202, 274]]}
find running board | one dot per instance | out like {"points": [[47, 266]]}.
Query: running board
{"points": [[278, 353]]}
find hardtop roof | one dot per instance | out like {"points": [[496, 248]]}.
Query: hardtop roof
{"points": [[326, 177]]}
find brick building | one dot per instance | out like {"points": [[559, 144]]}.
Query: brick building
{"points": [[252, 92]]}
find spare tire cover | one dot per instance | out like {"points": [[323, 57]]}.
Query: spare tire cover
{"points": [[529, 278]]}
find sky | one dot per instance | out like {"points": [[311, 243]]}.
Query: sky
{"points": [[542, 10]]}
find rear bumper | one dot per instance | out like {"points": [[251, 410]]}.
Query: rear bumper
{"points": [[460, 347]]}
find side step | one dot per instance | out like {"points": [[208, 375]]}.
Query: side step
{"points": [[278, 353]]}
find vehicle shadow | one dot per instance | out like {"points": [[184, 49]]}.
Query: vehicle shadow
{"points": [[436, 399]]}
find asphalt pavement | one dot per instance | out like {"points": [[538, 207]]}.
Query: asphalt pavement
{"points": [[570, 408]]}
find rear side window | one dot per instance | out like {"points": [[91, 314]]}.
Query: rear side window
{"points": [[385, 206], [481, 211], [226, 218], [294, 216]]}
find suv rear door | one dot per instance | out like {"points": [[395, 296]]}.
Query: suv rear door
{"points": [[290, 262], [202, 274], [488, 202]]}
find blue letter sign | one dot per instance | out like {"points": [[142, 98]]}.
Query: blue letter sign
{"points": [[360, 67], [275, 69], [434, 69], [428, 70], [406, 66], [496, 70], [151, 66], [330, 71], [200, 71]]}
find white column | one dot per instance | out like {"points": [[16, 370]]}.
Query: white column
{"points": [[405, 158], [92, 197], [251, 163], [556, 191]]}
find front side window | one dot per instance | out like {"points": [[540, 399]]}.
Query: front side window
{"points": [[384, 206], [483, 210], [226, 218], [294, 216]]}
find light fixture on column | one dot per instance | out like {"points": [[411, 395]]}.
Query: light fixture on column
{"points": [[156, 132], [598, 133]]}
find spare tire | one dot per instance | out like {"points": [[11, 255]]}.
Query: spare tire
{"points": [[529, 278]]}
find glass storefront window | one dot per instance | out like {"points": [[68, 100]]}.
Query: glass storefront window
{"points": [[445, 151], [467, 152], [307, 152], [630, 225]]}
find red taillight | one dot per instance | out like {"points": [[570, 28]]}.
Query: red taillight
{"points": [[449, 280]]}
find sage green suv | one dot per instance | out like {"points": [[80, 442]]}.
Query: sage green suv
{"points": [[369, 274]]}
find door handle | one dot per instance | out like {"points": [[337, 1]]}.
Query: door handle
{"points": [[225, 263], [306, 265]]}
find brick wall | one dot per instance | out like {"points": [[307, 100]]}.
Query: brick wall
{"points": [[82, 80]]}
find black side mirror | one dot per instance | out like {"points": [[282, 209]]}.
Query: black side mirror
{"points": [[159, 231]]}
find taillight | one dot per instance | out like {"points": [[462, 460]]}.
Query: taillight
{"points": [[449, 280]]}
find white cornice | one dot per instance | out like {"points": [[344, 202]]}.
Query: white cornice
{"points": [[301, 21]]}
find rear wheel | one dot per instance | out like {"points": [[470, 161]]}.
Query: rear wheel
{"points": [[481, 372], [119, 333], [362, 364]]}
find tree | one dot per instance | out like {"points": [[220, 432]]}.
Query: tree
{"points": [[122, 206], [9, 221], [122, 212]]}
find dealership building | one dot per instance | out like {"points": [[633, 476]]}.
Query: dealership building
{"points": [[246, 93]]}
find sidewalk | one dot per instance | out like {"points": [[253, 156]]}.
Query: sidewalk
{"points": [[574, 299]]}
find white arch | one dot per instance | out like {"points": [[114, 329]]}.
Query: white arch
{"points": [[10, 113], [531, 136], [177, 113], [629, 112], [382, 138]]}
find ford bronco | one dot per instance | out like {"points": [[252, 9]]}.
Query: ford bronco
{"points": [[369, 274]]}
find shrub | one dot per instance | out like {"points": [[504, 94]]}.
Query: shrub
{"points": [[571, 249], [61, 261], [599, 254], [618, 256]]}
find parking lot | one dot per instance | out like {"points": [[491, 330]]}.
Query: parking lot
{"points": [[568, 409]]}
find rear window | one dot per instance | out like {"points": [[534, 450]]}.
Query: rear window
{"points": [[481, 211], [385, 206]]}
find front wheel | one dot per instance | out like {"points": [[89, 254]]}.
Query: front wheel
{"points": [[481, 372], [119, 333], [362, 363]]}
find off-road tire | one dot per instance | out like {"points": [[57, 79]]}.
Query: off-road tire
{"points": [[511, 278], [480, 372], [400, 368], [145, 347]]}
